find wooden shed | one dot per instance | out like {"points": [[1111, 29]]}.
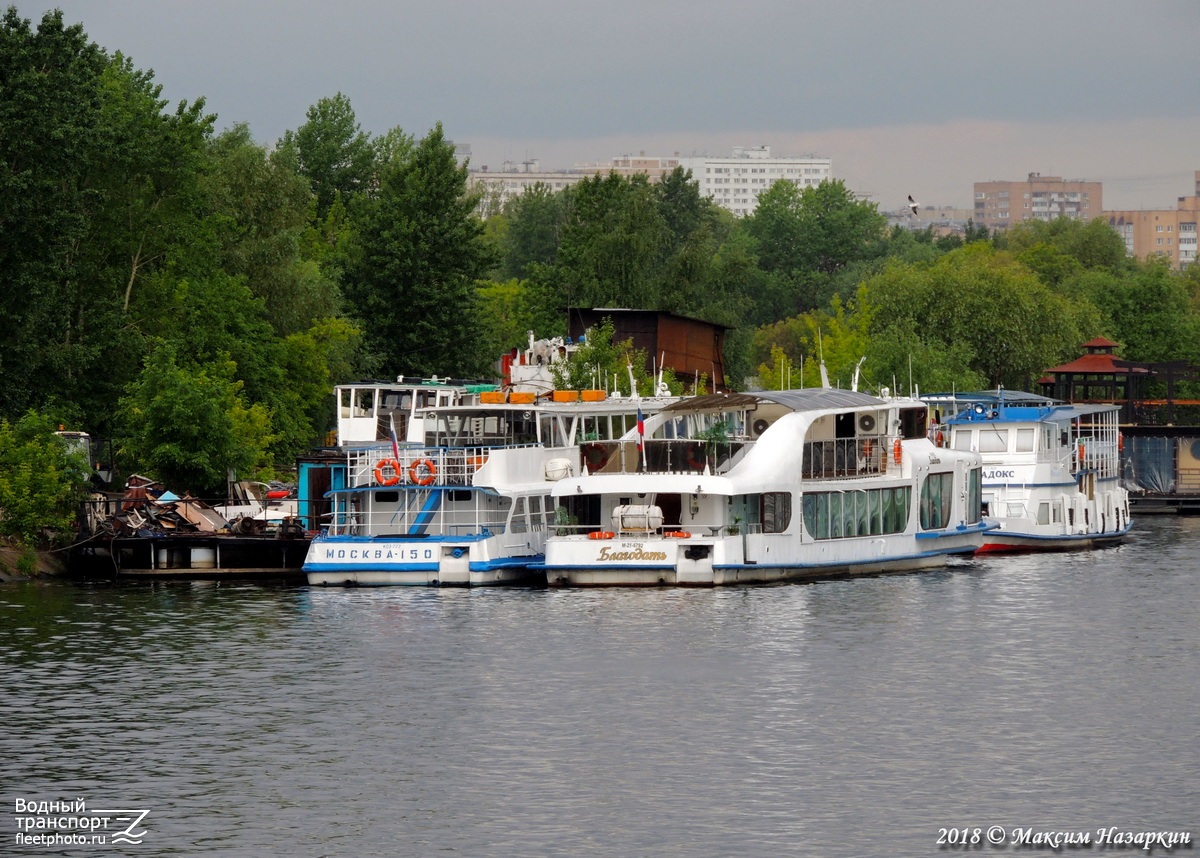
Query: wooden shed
{"points": [[690, 347]]}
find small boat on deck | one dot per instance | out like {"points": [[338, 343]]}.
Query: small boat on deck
{"points": [[1051, 470], [765, 487]]}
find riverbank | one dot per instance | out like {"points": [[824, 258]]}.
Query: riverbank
{"points": [[18, 564]]}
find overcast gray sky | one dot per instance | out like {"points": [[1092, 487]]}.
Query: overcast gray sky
{"points": [[918, 97]]}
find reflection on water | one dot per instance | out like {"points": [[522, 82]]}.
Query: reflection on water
{"points": [[851, 717]]}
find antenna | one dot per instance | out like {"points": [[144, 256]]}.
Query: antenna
{"points": [[857, 367], [821, 353]]}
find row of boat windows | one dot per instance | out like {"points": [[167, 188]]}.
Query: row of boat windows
{"points": [[993, 439], [869, 512], [874, 512]]}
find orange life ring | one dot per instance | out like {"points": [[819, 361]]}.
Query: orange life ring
{"points": [[677, 534], [1120, 443], [897, 451], [601, 534], [416, 477], [941, 439], [388, 464]]}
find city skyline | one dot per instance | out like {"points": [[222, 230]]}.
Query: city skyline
{"points": [[918, 99]]}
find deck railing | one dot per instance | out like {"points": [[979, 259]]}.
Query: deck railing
{"points": [[419, 465], [846, 458]]}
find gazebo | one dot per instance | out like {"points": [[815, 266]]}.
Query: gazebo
{"points": [[1099, 376]]}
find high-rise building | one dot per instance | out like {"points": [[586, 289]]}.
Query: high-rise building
{"points": [[999, 205], [1167, 233], [734, 183]]}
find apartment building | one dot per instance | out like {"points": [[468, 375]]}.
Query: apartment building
{"points": [[998, 205], [1167, 233], [511, 180], [734, 183]]}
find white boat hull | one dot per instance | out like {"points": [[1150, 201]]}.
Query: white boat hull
{"points": [[655, 562], [366, 562]]}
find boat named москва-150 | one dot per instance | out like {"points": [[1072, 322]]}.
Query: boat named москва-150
{"points": [[465, 498]]}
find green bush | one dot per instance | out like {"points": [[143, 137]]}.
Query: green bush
{"points": [[41, 482]]}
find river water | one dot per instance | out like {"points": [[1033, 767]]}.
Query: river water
{"points": [[1056, 693]]}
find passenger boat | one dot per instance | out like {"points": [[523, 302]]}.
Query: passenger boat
{"points": [[765, 487], [1051, 470], [462, 495]]}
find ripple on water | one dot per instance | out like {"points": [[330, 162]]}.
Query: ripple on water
{"points": [[848, 717]]}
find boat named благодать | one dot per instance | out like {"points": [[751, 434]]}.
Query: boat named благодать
{"points": [[763, 487]]}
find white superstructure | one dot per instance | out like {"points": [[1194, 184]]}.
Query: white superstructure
{"points": [[773, 486], [1051, 471]]}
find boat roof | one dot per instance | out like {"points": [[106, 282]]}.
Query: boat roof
{"points": [[1017, 406], [806, 399]]}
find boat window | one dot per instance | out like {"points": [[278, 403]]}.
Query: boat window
{"points": [[914, 422], [993, 440], [937, 494], [775, 511], [974, 495], [834, 515], [387, 497], [1025, 440], [518, 516], [364, 404], [962, 439], [1043, 513]]}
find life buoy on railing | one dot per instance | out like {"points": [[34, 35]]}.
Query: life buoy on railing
{"points": [[422, 479], [897, 451], [677, 534], [1120, 443], [601, 534], [389, 466]]}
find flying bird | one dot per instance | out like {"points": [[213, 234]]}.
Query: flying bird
{"points": [[912, 205]]}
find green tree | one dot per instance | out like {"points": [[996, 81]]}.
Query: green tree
{"points": [[260, 208], [422, 249], [535, 222], [820, 228], [1149, 313], [41, 482], [602, 363], [1012, 324], [609, 254], [333, 152], [190, 426]]}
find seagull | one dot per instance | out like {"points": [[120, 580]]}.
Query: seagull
{"points": [[912, 205]]}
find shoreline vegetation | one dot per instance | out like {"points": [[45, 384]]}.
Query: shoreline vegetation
{"points": [[191, 296]]}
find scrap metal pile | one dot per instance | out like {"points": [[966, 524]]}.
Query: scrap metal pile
{"points": [[146, 510]]}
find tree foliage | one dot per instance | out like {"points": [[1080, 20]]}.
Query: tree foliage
{"points": [[421, 252], [42, 482]]}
